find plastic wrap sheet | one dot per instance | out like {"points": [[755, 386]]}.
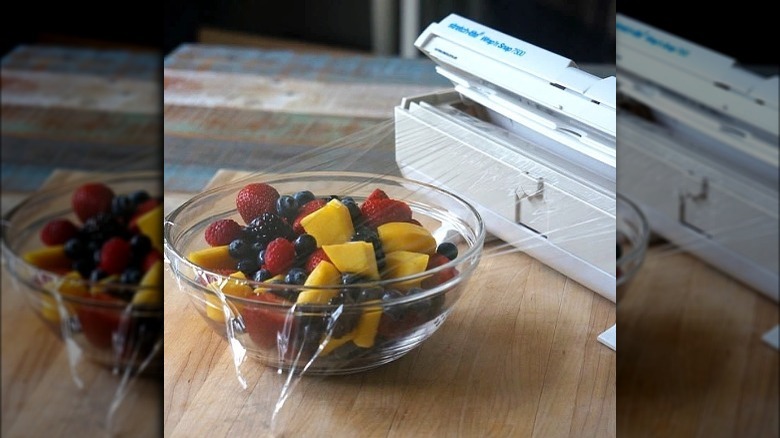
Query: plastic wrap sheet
{"points": [[113, 351], [308, 342]]}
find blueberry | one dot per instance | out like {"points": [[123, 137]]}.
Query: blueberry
{"points": [[131, 276], [96, 256], [261, 258], [122, 206], [351, 278], [84, 266], [370, 294], [352, 206], [305, 244], [448, 249], [287, 206], [239, 249], [247, 266], [295, 276], [257, 247], [303, 197], [97, 274], [262, 275], [140, 244], [75, 248], [139, 196], [391, 294], [619, 251]]}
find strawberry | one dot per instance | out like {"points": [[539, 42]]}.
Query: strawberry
{"points": [[115, 255], [381, 211], [90, 199], [434, 261], [377, 194], [222, 232], [314, 259], [99, 324], [279, 256], [57, 232], [264, 323], [255, 199], [305, 210]]}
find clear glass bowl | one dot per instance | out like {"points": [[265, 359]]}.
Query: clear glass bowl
{"points": [[298, 338], [633, 234], [123, 337]]}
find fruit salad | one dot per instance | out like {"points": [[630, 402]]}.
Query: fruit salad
{"points": [[105, 261], [341, 258]]}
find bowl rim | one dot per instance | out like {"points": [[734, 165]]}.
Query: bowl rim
{"points": [[474, 251], [638, 251], [7, 220]]}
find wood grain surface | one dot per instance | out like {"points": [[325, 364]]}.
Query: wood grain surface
{"points": [[517, 357]]}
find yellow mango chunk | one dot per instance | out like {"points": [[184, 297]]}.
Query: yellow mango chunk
{"points": [[151, 286], [216, 257], [236, 286], [275, 279], [365, 332], [354, 257], [50, 258], [70, 284], [404, 236], [100, 286], [404, 263], [323, 275], [330, 225], [151, 224]]}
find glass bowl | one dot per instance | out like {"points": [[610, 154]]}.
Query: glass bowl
{"points": [[633, 234], [114, 333], [327, 338]]}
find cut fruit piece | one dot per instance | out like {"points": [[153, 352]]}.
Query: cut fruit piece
{"points": [[213, 258], [330, 225], [71, 284], [236, 286], [405, 236], [151, 285], [365, 332], [354, 257], [325, 274], [264, 323], [151, 224], [330, 344], [405, 263], [50, 258]]}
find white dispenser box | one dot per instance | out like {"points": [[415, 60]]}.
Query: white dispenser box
{"points": [[528, 138], [698, 150]]}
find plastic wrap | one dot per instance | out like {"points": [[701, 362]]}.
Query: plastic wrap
{"points": [[308, 341], [114, 347]]}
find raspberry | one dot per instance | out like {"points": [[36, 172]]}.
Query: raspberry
{"points": [[115, 255], [255, 199], [381, 211], [222, 232], [90, 199], [314, 259], [377, 194], [279, 256], [57, 232], [307, 209]]}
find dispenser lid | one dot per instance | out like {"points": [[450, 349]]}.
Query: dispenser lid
{"points": [[476, 57]]}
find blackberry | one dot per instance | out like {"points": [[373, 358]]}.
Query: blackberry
{"points": [[268, 227], [102, 227]]}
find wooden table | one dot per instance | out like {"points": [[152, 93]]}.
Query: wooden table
{"points": [[691, 360], [64, 112], [518, 356]]}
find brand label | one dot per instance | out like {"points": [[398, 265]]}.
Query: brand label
{"points": [[487, 39]]}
